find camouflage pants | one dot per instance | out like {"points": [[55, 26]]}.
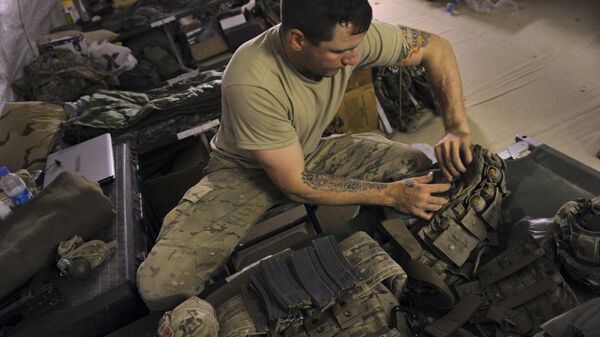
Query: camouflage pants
{"points": [[200, 233]]}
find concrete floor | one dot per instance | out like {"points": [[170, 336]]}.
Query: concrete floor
{"points": [[535, 72]]}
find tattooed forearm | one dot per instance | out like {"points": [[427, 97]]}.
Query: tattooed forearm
{"points": [[414, 40], [337, 184]]}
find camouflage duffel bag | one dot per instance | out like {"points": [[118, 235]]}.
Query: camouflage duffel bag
{"points": [[576, 233]]}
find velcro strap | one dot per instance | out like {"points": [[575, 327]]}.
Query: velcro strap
{"points": [[456, 318], [401, 237]]}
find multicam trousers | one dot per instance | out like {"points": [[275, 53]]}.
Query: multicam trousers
{"points": [[200, 233]]}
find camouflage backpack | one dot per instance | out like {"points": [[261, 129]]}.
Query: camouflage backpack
{"points": [[576, 233]]}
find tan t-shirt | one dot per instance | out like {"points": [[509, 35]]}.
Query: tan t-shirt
{"points": [[267, 104]]}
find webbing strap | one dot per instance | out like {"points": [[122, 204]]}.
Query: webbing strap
{"points": [[492, 273], [456, 318], [401, 237], [443, 299]]}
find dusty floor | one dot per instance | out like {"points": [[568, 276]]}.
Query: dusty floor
{"points": [[536, 72]]}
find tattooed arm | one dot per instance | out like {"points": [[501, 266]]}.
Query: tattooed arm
{"points": [[286, 169], [436, 55]]}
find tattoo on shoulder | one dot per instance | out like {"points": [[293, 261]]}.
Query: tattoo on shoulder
{"points": [[414, 40], [338, 184]]}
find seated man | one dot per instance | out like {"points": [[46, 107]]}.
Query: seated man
{"points": [[279, 93]]}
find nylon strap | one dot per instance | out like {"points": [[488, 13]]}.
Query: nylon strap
{"points": [[492, 272], [402, 237], [456, 318]]}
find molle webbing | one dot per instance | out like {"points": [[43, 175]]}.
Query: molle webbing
{"points": [[524, 288]]}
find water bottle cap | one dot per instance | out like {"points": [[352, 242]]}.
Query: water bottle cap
{"points": [[4, 171]]}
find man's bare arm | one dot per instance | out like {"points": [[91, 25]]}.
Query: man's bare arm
{"points": [[286, 169], [436, 55]]}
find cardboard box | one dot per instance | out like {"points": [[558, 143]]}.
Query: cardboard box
{"points": [[358, 110], [208, 48]]}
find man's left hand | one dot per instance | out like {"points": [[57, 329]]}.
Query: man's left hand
{"points": [[453, 153]]}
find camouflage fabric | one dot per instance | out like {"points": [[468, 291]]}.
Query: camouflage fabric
{"points": [[373, 263], [405, 96], [123, 112], [192, 318], [61, 75], [198, 235], [576, 233], [362, 311], [95, 251], [27, 133]]}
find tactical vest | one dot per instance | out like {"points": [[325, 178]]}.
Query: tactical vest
{"points": [[576, 233], [447, 250], [363, 309], [513, 293]]}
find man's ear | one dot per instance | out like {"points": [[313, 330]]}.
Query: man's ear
{"points": [[296, 39]]}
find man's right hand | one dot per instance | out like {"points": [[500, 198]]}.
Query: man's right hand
{"points": [[415, 196]]}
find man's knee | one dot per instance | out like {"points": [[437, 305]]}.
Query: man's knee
{"points": [[168, 277]]}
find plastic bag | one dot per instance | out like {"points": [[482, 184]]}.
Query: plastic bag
{"points": [[110, 57], [493, 6]]}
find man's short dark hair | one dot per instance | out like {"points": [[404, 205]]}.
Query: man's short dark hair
{"points": [[318, 18]]}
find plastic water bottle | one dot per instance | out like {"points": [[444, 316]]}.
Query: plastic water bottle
{"points": [[451, 6], [5, 210], [14, 187]]}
